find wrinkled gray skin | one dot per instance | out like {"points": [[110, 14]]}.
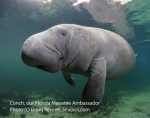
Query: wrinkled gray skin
{"points": [[92, 52]]}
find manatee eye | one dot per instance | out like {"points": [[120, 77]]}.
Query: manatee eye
{"points": [[63, 34]]}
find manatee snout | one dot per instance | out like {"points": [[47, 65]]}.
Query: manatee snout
{"points": [[36, 53], [27, 54]]}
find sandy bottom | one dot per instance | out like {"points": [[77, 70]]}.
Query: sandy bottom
{"points": [[125, 105]]}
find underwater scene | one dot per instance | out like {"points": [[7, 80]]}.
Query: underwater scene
{"points": [[29, 92]]}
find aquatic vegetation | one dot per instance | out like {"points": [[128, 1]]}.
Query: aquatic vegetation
{"points": [[148, 114], [34, 16], [137, 109], [140, 12]]}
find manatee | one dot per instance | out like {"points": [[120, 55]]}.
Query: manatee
{"points": [[96, 53]]}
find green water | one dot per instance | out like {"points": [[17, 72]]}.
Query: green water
{"points": [[20, 19]]}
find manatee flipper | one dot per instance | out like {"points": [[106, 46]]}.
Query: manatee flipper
{"points": [[68, 78], [94, 88]]}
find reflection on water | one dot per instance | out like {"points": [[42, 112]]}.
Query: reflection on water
{"points": [[108, 11]]}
